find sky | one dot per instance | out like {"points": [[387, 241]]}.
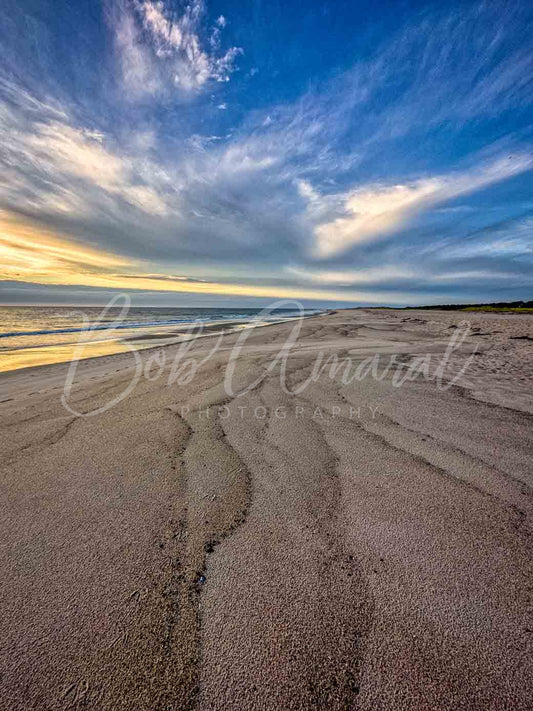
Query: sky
{"points": [[219, 152]]}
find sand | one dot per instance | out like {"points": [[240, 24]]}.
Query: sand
{"points": [[354, 546]]}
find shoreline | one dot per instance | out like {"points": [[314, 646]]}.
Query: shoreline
{"points": [[232, 327]]}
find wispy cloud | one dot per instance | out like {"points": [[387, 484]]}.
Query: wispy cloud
{"points": [[161, 50], [371, 212], [28, 252], [353, 277], [53, 165]]}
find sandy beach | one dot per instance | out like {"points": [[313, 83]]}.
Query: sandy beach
{"points": [[356, 545]]}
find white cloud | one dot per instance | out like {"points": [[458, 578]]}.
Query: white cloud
{"points": [[80, 153], [511, 239], [470, 275], [54, 166], [352, 277], [160, 50], [377, 210], [139, 72], [307, 191]]}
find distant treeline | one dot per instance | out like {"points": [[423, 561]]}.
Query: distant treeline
{"points": [[506, 305]]}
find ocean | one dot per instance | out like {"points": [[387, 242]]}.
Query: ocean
{"points": [[40, 335]]}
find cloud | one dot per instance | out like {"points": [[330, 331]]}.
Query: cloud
{"points": [[375, 211], [58, 167], [512, 238], [29, 252], [353, 176], [160, 50], [137, 65], [353, 277], [163, 277]]}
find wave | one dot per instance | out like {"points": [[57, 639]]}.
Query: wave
{"points": [[111, 326]]}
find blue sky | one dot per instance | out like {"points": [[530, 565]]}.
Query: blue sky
{"points": [[234, 152]]}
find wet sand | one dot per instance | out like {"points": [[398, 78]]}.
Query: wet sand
{"points": [[354, 546], [186, 332]]}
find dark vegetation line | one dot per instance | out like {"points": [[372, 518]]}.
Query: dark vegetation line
{"points": [[516, 306], [495, 305]]}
